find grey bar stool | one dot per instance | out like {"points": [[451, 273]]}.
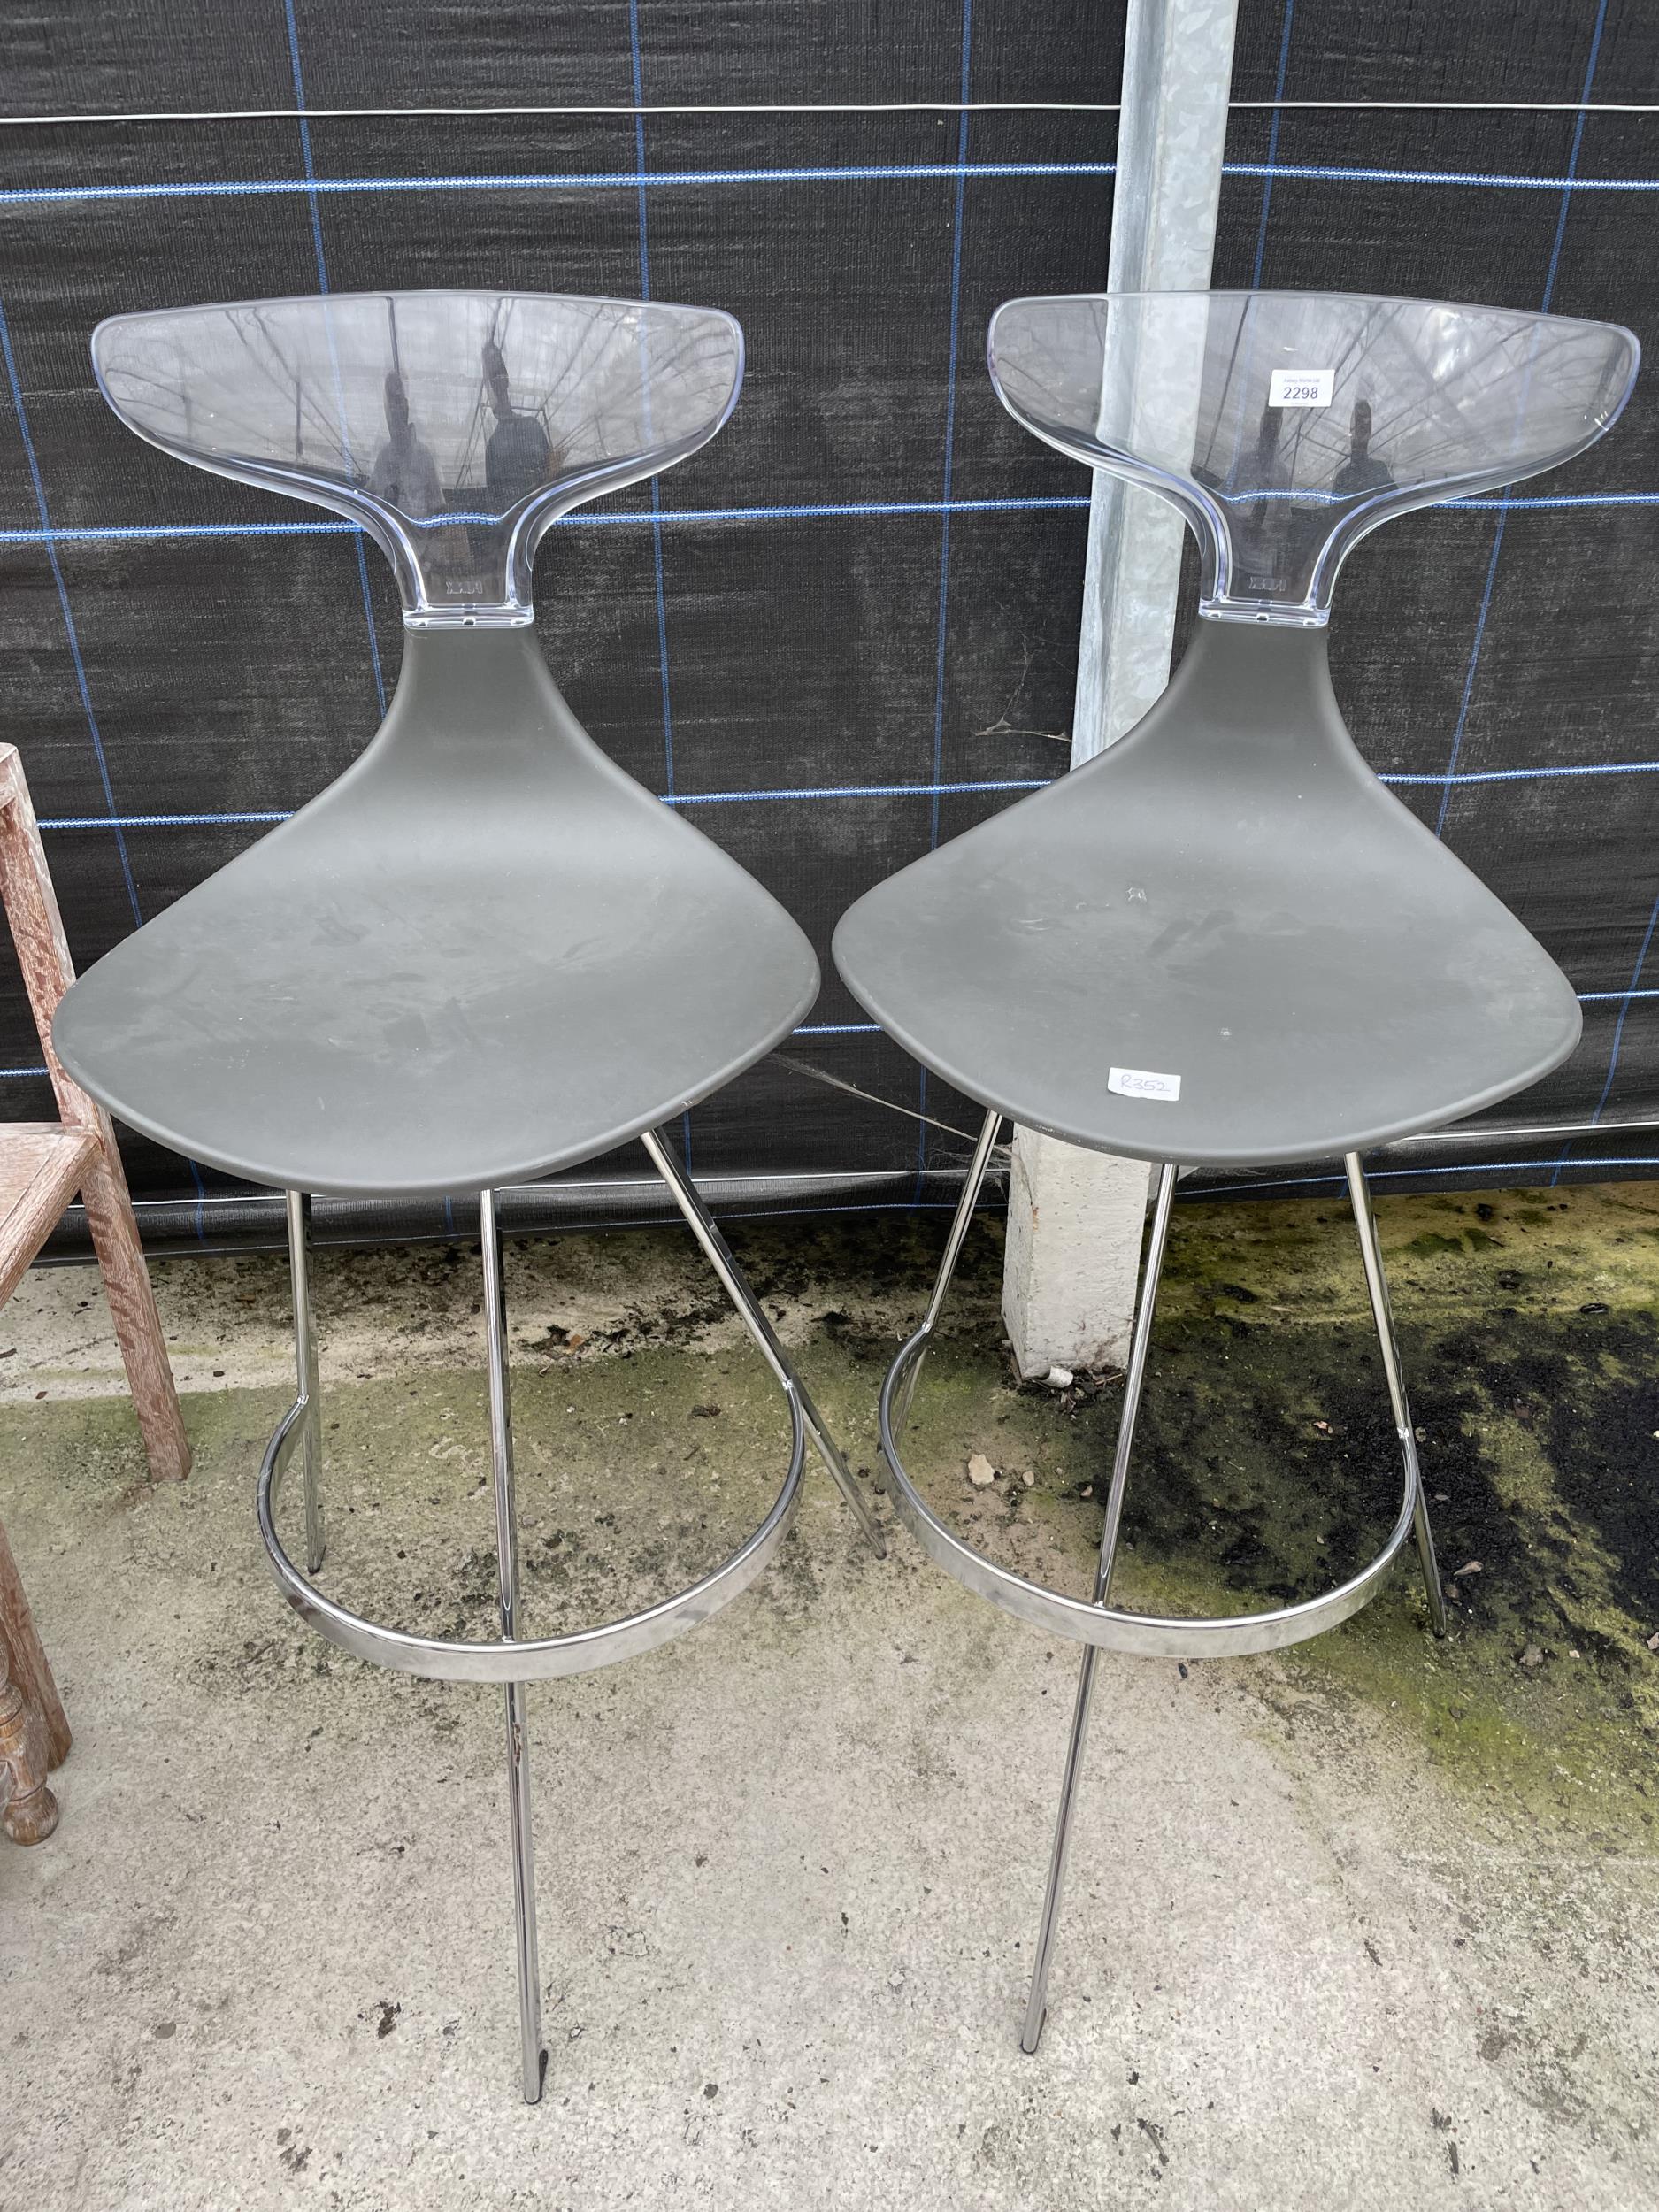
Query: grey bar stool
{"points": [[484, 953], [1222, 942]]}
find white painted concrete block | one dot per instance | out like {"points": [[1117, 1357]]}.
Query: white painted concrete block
{"points": [[1075, 1221]]}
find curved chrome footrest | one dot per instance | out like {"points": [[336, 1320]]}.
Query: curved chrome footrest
{"points": [[1148, 1635], [1094, 1624], [508, 1660], [539, 1659]]}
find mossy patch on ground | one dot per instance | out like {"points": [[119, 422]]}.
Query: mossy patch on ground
{"points": [[1265, 1468], [649, 1444]]}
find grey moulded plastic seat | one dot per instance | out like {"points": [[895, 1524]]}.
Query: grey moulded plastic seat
{"points": [[484, 952], [1221, 940]]}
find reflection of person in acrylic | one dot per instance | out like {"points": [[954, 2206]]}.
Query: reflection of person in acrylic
{"points": [[405, 475], [517, 458], [1268, 469], [1261, 523], [1360, 473]]}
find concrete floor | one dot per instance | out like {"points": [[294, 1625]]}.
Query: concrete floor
{"points": [[1371, 1924]]}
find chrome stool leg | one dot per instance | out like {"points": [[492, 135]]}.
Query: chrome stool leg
{"points": [[1382, 1314], [1096, 1624], [533, 2052], [960, 1222], [718, 1255], [1163, 1198], [513, 1661], [299, 1212]]}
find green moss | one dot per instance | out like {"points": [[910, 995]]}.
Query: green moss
{"points": [[1265, 1468]]}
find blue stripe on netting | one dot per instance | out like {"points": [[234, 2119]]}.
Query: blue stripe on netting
{"points": [[1559, 499], [322, 286], [553, 180], [69, 620], [816, 792], [1467, 776], [839, 1029], [611, 180], [860, 791], [151, 821], [1618, 1033], [1309, 496], [944, 527], [1323, 173], [848, 510], [1504, 504], [1271, 164], [655, 486], [305, 140], [1572, 158], [950, 427]]}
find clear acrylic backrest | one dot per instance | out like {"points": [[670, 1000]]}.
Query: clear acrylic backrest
{"points": [[454, 425], [1285, 426]]}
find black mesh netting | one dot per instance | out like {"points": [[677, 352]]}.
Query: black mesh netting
{"points": [[870, 583]]}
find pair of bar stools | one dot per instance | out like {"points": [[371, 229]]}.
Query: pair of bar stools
{"points": [[485, 953]]}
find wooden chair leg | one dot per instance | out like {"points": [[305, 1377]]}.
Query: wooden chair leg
{"points": [[126, 1284], [28, 1811], [30, 1675]]}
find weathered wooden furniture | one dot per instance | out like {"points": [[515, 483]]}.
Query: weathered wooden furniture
{"points": [[34, 1731], [43, 1164]]}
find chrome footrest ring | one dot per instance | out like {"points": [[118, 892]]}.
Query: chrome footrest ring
{"points": [[1147, 1635], [537, 1659]]}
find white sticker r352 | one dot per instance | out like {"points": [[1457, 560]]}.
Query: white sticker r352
{"points": [[1142, 1083], [1301, 388]]}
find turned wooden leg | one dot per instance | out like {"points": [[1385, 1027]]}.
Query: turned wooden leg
{"points": [[127, 1287], [28, 1811], [28, 1670]]}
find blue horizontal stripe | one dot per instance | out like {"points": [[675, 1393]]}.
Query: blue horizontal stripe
{"points": [[149, 532], [1321, 173], [859, 791], [679, 798], [1522, 775], [850, 1029], [843, 791], [153, 532], [1560, 499], [153, 821], [899, 172], [1310, 495], [552, 181]]}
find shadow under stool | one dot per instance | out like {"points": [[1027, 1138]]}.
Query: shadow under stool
{"points": [[1222, 942], [484, 953]]}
